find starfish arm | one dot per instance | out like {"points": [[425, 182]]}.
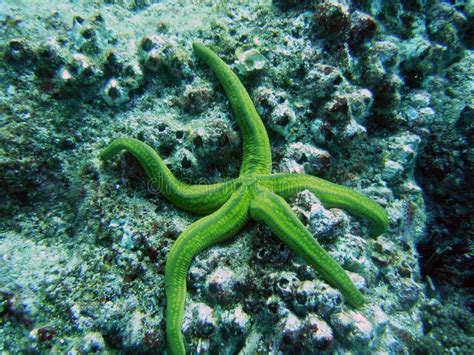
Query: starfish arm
{"points": [[194, 198], [331, 195], [221, 225], [256, 145], [273, 210]]}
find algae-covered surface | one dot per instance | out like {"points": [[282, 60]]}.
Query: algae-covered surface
{"points": [[374, 95]]}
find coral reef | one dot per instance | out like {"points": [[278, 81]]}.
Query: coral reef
{"points": [[449, 329], [373, 95]]}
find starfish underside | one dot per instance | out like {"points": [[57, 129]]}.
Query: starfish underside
{"points": [[256, 194]]}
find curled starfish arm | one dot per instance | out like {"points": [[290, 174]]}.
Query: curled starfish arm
{"points": [[331, 195], [273, 210], [221, 225], [201, 199], [255, 143]]}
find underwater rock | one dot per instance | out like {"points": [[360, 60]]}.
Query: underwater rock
{"points": [[91, 35], [52, 56], [392, 170], [83, 69], [236, 320], [387, 96], [350, 251], [276, 308], [427, 345], [291, 330], [322, 80], [446, 25], [92, 342], [418, 110], [337, 110], [220, 284], [340, 124], [318, 334], [359, 93], [133, 334], [306, 298], [358, 280], [161, 55], [450, 327], [196, 276], [326, 224], [329, 299], [332, 20], [360, 104], [286, 4], [313, 160], [419, 59], [18, 51], [42, 334], [86, 59], [410, 292], [183, 160], [199, 320], [195, 100], [218, 140], [363, 28], [81, 321], [154, 57], [77, 72], [284, 284], [378, 318], [353, 326], [402, 151], [379, 73], [280, 116], [276, 111], [114, 94], [291, 166]]}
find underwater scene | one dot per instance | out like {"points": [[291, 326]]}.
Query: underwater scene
{"points": [[236, 177]]}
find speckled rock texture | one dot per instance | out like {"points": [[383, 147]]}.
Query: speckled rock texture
{"points": [[373, 95]]}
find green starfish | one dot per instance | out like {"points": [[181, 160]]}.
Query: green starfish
{"points": [[256, 194]]}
